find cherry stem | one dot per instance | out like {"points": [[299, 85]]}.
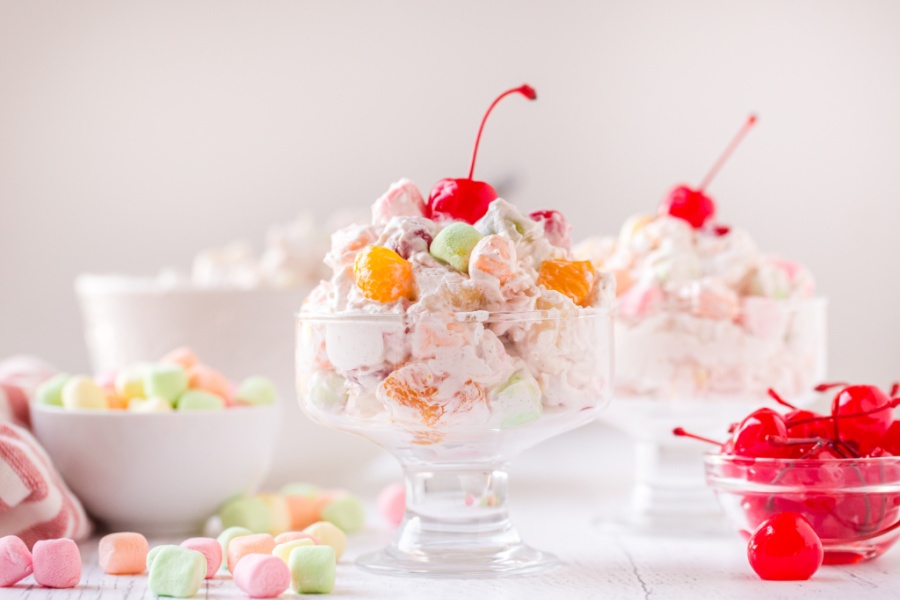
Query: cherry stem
{"points": [[895, 389], [824, 387], [526, 90], [680, 432], [774, 396], [751, 120], [892, 404]]}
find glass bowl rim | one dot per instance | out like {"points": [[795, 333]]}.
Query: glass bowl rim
{"points": [[474, 316], [715, 459]]}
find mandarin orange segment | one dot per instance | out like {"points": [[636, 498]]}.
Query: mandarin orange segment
{"points": [[573, 278], [383, 275], [415, 392]]}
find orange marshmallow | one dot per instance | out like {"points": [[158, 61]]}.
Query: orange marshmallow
{"points": [[306, 510], [123, 553], [291, 536], [183, 356], [201, 377], [258, 543]]}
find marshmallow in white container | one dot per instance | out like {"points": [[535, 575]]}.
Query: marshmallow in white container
{"points": [[236, 310]]}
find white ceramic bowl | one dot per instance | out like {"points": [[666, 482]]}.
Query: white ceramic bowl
{"points": [[240, 332], [157, 473]]}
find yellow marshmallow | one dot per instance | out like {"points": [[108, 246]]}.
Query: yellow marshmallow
{"points": [[283, 551], [82, 392]]}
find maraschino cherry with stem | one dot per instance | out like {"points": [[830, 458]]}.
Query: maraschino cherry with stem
{"points": [[693, 205], [467, 199]]}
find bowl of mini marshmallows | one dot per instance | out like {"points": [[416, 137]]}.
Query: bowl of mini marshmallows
{"points": [[157, 447]]}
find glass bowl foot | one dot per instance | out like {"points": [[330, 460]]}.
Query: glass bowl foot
{"points": [[448, 562]]}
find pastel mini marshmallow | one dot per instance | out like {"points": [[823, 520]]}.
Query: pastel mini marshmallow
{"points": [[290, 536], [193, 400], [151, 556], [50, 391], [401, 199], [329, 534], [454, 244], [130, 382], [83, 393], [256, 391], [249, 512], [15, 561], [227, 536], [391, 503], [245, 545], [347, 512], [312, 569], [517, 402], [201, 377], [150, 405], [262, 576], [176, 572], [211, 551], [57, 563], [283, 550], [183, 357], [123, 553], [166, 381], [278, 511]]}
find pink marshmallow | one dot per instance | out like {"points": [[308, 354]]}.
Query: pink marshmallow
{"points": [[262, 576], [391, 503], [123, 553], [15, 561], [57, 563], [290, 536], [211, 551]]}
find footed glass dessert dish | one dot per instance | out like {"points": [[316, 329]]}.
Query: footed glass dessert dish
{"points": [[455, 397], [677, 370]]}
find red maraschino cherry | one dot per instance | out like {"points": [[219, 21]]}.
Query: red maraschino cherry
{"points": [[466, 199], [785, 548], [693, 205], [751, 438]]}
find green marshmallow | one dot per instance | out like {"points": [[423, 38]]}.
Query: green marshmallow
{"points": [[307, 490], [166, 381], [312, 569], [454, 244], [224, 539], [177, 572], [50, 392], [248, 512], [346, 512], [199, 400], [151, 556], [256, 391], [518, 402], [328, 391]]}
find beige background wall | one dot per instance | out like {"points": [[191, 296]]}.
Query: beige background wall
{"points": [[134, 133]]}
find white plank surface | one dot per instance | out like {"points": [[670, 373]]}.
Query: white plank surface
{"points": [[555, 503]]}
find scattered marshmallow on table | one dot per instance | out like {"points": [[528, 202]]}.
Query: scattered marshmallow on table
{"points": [[177, 572], [15, 561], [245, 545], [57, 563], [391, 503], [123, 553], [283, 550], [211, 551], [347, 512], [225, 538], [290, 536], [262, 576], [329, 534], [312, 569]]}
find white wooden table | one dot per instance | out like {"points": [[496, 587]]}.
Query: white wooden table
{"points": [[555, 503]]}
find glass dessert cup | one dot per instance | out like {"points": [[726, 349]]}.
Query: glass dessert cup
{"points": [[677, 370], [852, 503], [455, 397]]}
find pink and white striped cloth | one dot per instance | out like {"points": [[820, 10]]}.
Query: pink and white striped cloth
{"points": [[35, 503]]}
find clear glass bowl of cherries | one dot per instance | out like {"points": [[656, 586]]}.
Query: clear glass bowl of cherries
{"points": [[840, 471]]}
